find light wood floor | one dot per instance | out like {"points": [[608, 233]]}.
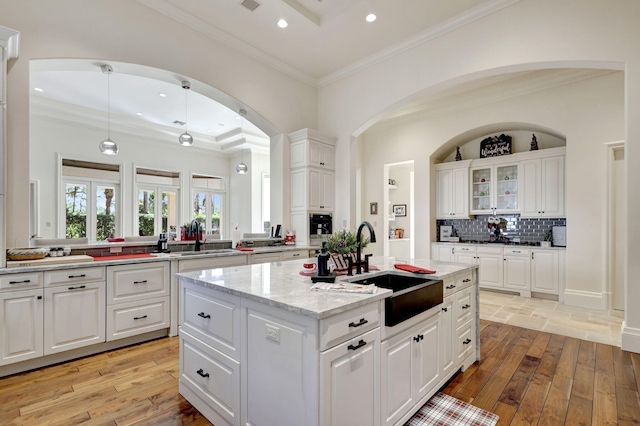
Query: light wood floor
{"points": [[525, 376]]}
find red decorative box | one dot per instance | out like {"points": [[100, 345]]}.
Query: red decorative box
{"points": [[184, 236]]}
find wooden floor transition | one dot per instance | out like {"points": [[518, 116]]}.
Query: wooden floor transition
{"points": [[527, 377]]}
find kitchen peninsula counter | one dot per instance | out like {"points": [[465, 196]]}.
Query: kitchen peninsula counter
{"points": [[258, 346]]}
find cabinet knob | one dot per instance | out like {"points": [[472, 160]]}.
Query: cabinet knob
{"points": [[418, 337], [445, 309]]}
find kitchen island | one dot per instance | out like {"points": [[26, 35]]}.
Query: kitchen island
{"points": [[259, 347]]}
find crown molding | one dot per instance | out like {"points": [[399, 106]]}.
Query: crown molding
{"points": [[173, 12], [444, 27], [10, 40]]}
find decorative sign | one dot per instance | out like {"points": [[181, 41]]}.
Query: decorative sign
{"points": [[495, 146]]}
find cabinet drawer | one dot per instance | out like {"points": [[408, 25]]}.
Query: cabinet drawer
{"points": [[213, 319], [464, 280], [264, 258], [517, 251], [466, 340], [464, 307], [295, 254], [130, 319], [213, 376], [74, 276], [212, 262], [21, 281], [342, 327], [127, 283]]}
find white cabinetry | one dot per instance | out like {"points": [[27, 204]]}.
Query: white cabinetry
{"points": [[137, 299], [543, 187], [517, 269], [312, 189], [545, 271], [442, 252], [409, 368], [494, 188], [21, 316], [264, 258], [74, 309], [490, 266], [309, 152], [464, 254], [452, 190]]}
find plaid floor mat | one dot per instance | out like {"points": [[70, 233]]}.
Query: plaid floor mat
{"points": [[445, 410]]}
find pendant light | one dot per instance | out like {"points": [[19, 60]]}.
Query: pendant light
{"points": [[185, 139], [108, 146], [242, 168]]}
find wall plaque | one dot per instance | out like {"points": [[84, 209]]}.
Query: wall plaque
{"points": [[495, 146]]}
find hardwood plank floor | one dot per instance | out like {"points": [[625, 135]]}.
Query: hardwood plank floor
{"points": [[526, 377]]}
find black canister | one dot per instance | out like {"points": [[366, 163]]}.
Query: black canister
{"points": [[323, 261]]}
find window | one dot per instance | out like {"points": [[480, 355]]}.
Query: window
{"points": [[158, 202], [208, 203], [91, 200]]}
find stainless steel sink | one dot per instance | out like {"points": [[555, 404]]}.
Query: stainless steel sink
{"points": [[196, 253], [411, 296]]}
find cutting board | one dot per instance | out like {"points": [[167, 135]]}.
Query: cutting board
{"points": [[79, 258]]}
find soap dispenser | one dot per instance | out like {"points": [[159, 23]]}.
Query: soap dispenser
{"points": [[323, 274]]}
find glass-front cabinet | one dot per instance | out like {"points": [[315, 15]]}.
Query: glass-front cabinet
{"points": [[494, 189]]}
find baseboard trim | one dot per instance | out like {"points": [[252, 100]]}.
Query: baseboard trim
{"points": [[584, 299], [630, 338]]}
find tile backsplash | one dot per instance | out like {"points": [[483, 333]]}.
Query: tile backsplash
{"points": [[528, 230]]}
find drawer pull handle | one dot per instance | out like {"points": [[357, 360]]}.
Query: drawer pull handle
{"points": [[202, 373], [466, 280], [20, 282], [449, 287], [140, 282], [77, 288], [360, 344], [445, 309], [295, 255], [466, 342], [39, 297], [203, 315], [466, 306], [77, 276], [517, 251], [362, 322], [142, 317]]}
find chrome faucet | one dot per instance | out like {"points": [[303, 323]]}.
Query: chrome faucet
{"points": [[195, 226], [359, 248]]}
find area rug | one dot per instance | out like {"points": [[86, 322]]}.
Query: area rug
{"points": [[445, 410]]}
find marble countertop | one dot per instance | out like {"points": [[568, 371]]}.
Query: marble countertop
{"points": [[281, 285]]}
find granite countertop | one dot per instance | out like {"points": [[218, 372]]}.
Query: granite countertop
{"points": [[281, 285]]}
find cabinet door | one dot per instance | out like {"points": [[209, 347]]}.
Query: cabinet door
{"points": [[327, 154], [316, 188], [443, 253], [544, 271], [264, 258], [481, 189], [350, 386], [460, 194], [21, 325], [531, 188], [444, 192], [447, 336], [396, 361], [464, 254], [490, 269], [506, 189], [552, 184], [517, 272], [74, 316], [299, 189], [326, 197], [426, 351]]}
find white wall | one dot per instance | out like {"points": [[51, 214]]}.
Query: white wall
{"points": [[260, 165], [126, 31]]}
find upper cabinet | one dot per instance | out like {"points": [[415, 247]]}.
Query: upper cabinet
{"points": [[543, 187], [494, 189], [312, 149], [452, 190]]}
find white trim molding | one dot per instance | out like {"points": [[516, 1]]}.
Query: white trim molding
{"points": [[584, 299], [630, 338]]}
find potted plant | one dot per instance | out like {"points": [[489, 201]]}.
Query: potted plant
{"points": [[546, 239], [341, 243]]}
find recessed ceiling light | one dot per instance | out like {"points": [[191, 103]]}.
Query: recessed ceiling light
{"points": [[162, 95], [139, 113], [37, 89], [282, 23], [371, 17]]}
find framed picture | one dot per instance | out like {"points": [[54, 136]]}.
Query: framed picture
{"points": [[445, 232], [400, 210], [373, 208]]}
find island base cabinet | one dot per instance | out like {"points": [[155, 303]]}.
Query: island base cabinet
{"points": [[349, 388], [74, 316], [210, 381], [21, 330], [410, 369]]}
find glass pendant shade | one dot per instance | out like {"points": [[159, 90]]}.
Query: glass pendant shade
{"points": [[109, 147], [185, 139], [242, 168]]}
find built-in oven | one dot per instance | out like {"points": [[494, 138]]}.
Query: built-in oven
{"points": [[320, 227]]}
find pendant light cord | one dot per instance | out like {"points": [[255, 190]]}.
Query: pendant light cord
{"points": [[186, 111], [109, 105]]}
